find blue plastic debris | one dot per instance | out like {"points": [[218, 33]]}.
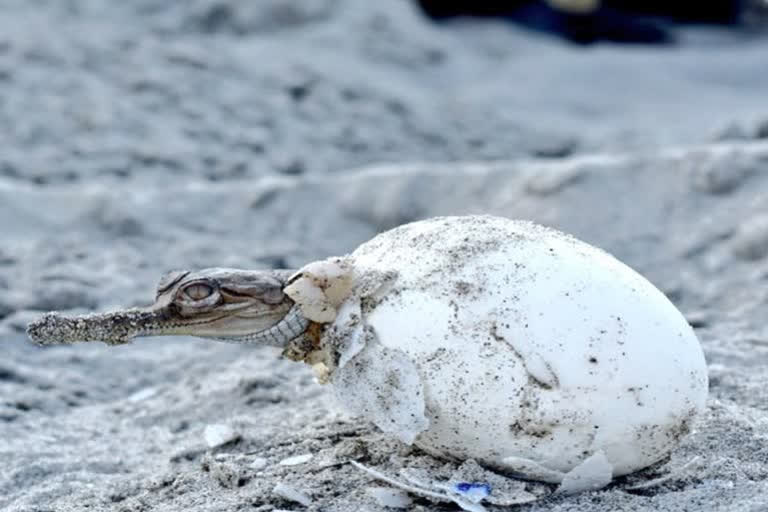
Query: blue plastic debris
{"points": [[473, 491]]}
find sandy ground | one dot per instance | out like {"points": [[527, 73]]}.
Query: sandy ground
{"points": [[141, 136]]}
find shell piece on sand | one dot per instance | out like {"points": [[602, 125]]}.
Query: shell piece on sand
{"points": [[511, 344]]}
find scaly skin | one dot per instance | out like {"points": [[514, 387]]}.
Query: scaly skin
{"points": [[238, 306]]}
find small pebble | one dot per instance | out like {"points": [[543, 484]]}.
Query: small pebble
{"points": [[296, 460], [142, 394], [751, 240], [258, 463]]}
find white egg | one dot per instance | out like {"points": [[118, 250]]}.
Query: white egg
{"points": [[512, 344]]}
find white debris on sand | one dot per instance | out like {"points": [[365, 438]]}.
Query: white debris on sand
{"points": [[143, 394], [388, 497], [296, 460], [219, 434], [258, 463]]}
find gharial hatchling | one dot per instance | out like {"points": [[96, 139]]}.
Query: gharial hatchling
{"points": [[472, 337]]}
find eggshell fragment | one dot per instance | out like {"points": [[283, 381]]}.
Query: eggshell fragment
{"points": [[592, 474], [320, 287], [290, 493], [517, 346], [390, 392]]}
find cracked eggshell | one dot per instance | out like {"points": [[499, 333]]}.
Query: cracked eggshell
{"points": [[522, 348]]}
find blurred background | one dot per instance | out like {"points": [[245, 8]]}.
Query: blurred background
{"points": [[147, 135]]}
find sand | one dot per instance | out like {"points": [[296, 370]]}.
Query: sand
{"points": [[143, 136]]}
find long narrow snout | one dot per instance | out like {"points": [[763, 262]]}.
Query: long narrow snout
{"points": [[113, 328]]}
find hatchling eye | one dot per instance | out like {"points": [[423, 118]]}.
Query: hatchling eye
{"points": [[198, 291]]}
